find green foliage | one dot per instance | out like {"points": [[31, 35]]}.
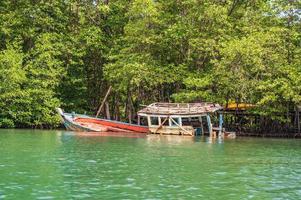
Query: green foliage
{"points": [[6, 123], [67, 53], [254, 61], [13, 98]]}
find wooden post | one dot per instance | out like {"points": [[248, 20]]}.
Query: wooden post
{"points": [[180, 126], [202, 125], [161, 124], [149, 123], [220, 131], [138, 120], [180, 121], [103, 101], [209, 125]]}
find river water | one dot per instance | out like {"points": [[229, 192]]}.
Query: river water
{"points": [[64, 165]]}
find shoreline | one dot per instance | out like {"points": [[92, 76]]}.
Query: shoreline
{"points": [[238, 134]]}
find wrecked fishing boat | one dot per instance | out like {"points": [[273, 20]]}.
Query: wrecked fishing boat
{"points": [[180, 118], [156, 118], [84, 123]]}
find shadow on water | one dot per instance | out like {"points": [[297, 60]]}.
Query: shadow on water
{"points": [[171, 139]]}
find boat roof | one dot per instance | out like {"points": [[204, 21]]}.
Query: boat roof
{"points": [[183, 109]]}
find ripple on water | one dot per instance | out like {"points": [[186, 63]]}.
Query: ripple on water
{"points": [[81, 196], [45, 197], [91, 161]]}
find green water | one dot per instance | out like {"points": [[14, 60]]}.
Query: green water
{"points": [[63, 165]]}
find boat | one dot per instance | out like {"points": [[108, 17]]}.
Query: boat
{"points": [[156, 118], [84, 123], [181, 118]]}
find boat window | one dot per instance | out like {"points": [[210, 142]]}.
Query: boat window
{"points": [[165, 120], [195, 122], [143, 121], [191, 121], [154, 120], [175, 120], [186, 121], [194, 119]]}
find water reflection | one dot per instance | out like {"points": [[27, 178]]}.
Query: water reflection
{"points": [[211, 140], [172, 139], [107, 134]]}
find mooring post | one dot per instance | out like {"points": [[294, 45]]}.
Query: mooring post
{"points": [[209, 125], [202, 125], [221, 121], [180, 121], [138, 120]]}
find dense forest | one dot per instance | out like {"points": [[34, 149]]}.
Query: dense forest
{"points": [[67, 54]]}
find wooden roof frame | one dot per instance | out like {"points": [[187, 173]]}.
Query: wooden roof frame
{"points": [[179, 109]]}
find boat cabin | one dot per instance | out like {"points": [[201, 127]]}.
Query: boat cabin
{"points": [[179, 118]]}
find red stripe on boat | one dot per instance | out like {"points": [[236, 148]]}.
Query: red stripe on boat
{"points": [[114, 124]]}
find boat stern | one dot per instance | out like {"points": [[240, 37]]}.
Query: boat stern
{"points": [[61, 113]]}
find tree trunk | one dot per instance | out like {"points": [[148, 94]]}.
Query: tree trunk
{"points": [[116, 111], [128, 106], [107, 110]]}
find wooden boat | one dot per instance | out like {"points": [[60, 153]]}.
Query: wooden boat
{"points": [[156, 118], [180, 118], [84, 123]]}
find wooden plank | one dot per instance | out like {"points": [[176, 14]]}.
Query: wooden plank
{"points": [[161, 124], [103, 101], [180, 126], [202, 125], [174, 116], [180, 109], [209, 126], [220, 125], [169, 130]]}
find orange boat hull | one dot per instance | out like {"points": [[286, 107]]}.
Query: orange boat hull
{"points": [[113, 125]]}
